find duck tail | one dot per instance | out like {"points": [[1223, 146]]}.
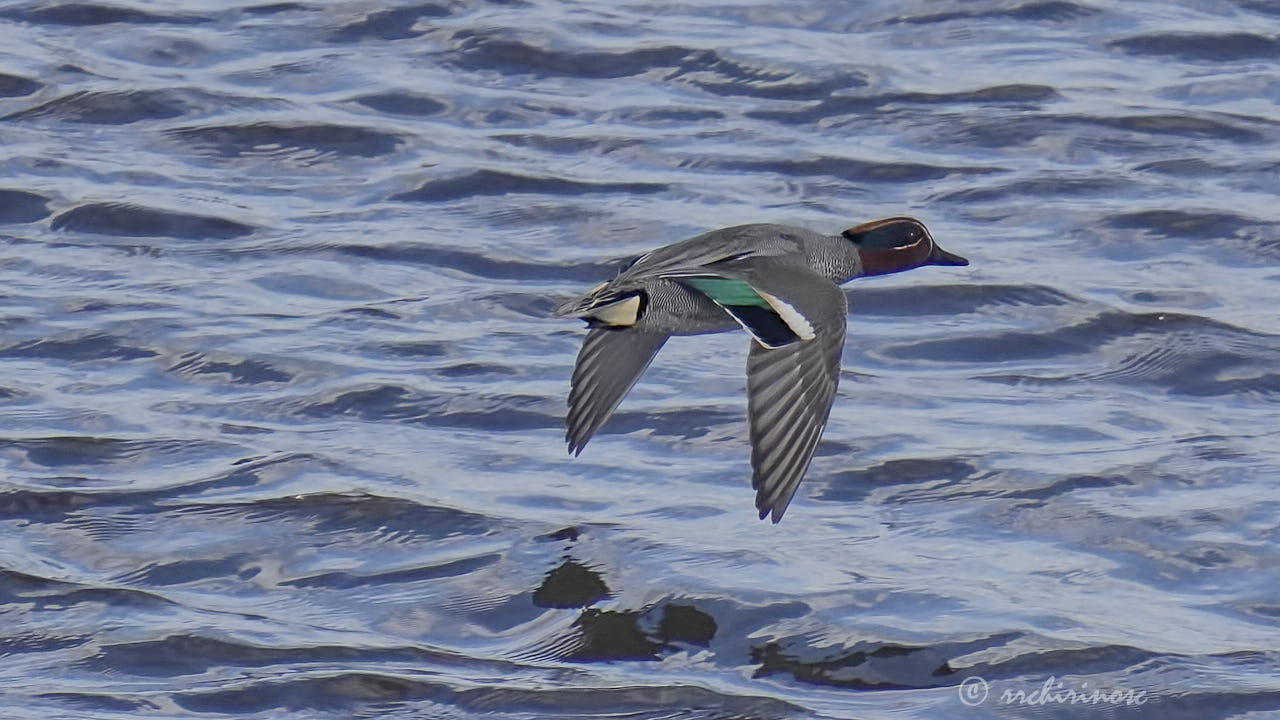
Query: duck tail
{"points": [[581, 306], [568, 308], [605, 306]]}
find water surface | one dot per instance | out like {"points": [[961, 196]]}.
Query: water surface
{"points": [[282, 401]]}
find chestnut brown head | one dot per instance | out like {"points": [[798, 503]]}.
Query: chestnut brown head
{"points": [[896, 244]]}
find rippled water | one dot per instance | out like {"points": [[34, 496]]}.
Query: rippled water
{"points": [[282, 403]]}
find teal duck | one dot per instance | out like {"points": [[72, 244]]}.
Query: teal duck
{"points": [[782, 285]]}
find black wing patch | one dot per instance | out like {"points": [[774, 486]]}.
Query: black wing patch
{"points": [[746, 305], [763, 324]]}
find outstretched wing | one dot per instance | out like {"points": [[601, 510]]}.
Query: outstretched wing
{"points": [[790, 389], [727, 245], [609, 363]]}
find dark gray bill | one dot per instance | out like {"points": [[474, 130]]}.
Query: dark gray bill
{"points": [[942, 257]]}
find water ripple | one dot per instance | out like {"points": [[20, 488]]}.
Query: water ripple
{"points": [[271, 138], [88, 14], [494, 182], [136, 221], [1201, 47], [19, 206], [283, 397]]}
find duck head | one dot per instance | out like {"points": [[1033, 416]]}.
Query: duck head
{"points": [[897, 244]]}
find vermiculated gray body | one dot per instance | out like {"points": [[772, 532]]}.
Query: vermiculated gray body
{"points": [[676, 310]]}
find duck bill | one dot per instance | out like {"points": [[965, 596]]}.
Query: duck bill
{"points": [[942, 257]]}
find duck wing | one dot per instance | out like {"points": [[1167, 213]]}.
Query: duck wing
{"points": [[727, 245], [790, 388], [608, 365]]}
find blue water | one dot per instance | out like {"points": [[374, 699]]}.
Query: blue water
{"points": [[281, 404]]}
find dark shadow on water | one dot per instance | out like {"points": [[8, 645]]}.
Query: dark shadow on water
{"points": [[496, 182], [1066, 485], [869, 665], [1185, 354], [570, 585], [855, 485], [496, 413], [1202, 47], [687, 624], [115, 108], [516, 57], [607, 635], [405, 103], [480, 264], [415, 575], [75, 14], [245, 371], [1197, 225], [177, 655], [41, 594], [89, 702], [83, 348], [1043, 11], [848, 168], [125, 220], [395, 24], [17, 86], [1026, 97], [232, 141], [276, 8], [345, 513], [20, 206], [952, 300]]}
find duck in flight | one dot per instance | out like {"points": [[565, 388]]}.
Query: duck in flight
{"points": [[782, 285]]}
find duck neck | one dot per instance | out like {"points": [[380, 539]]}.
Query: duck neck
{"points": [[836, 259]]}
